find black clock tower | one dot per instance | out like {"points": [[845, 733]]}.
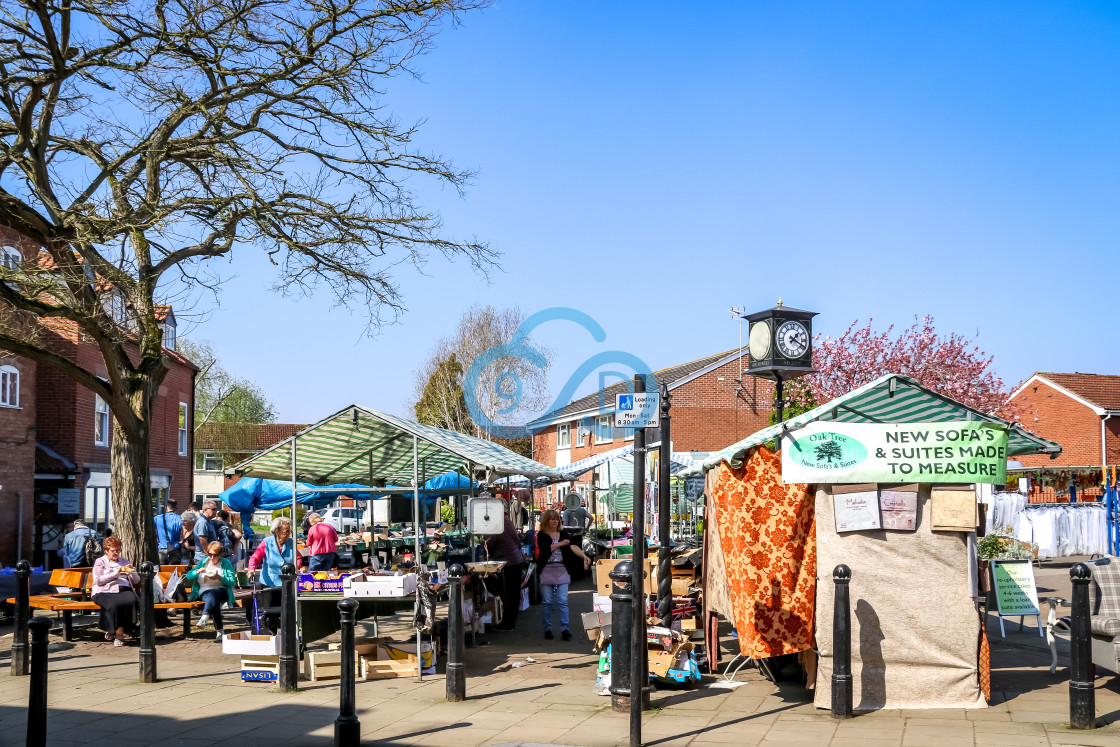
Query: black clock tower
{"points": [[781, 346]]}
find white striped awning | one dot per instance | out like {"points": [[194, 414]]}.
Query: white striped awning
{"points": [[357, 445], [892, 398]]}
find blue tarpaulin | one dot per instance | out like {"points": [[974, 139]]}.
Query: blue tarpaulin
{"points": [[251, 494]]}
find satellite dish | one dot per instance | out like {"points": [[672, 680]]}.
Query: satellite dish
{"points": [[572, 500]]}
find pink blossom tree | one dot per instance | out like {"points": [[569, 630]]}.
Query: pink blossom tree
{"points": [[950, 365]]}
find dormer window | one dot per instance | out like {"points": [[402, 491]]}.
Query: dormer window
{"points": [[10, 258], [168, 326]]}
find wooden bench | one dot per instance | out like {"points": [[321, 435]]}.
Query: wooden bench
{"points": [[81, 579]]}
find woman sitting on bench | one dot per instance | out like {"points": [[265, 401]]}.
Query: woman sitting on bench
{"points": [[114, 581]]}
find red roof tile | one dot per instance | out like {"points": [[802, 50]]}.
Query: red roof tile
{"points": [[1103, 390], [243, 437]]}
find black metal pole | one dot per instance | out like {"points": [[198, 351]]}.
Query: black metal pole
{"points": [[456, 670], [289, 643], [639, 672], [841, 645], [23, 611], [1082, 696], [664, 554], [622, 618], [148, 671], [37, 699], [347, 729], [779, 402]]}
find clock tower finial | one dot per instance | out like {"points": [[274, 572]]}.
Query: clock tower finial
{"points": [[779, 300]]}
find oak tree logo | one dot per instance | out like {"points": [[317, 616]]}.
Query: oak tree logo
{"points": [[829, 450]]}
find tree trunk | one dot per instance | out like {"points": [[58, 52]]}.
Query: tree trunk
{"points": [[131, 481]]}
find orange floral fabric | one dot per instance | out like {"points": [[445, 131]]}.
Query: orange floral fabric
{"points": [[768, 534]]}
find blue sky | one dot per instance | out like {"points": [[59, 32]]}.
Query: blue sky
{"points": [[654, 164]]}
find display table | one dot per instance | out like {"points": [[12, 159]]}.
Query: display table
{"points": [[319, 615]]}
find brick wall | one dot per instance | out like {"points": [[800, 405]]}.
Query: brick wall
{"points": [[17, 462], [1068, 422], [708, 413]]}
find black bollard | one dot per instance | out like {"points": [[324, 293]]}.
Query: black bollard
{"points": [[37, 699], [347, 729], [664, 554], [1082, 696], [289, 643], [841, 645], [147, 623], [456, 671], [23, 611], [622, 622]]}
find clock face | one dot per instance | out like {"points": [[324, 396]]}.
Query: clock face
{"points": [[759, 340], [792, 339]]}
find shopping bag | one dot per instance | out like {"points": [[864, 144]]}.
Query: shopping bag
{"points": [[173, 582], [524, 600]]}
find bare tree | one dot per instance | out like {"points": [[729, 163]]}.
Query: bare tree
{"points": [[508, 383], [142, 140]]}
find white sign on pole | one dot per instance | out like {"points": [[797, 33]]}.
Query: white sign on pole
{"points": [[68, 501], [638, 410]]}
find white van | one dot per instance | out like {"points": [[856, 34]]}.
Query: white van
{"points": [[344, 520]]}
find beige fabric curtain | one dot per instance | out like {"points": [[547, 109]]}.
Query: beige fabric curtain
{"points": [[914, 618]]}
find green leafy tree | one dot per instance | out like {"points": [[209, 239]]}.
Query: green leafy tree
{"points": [[221, 397]]}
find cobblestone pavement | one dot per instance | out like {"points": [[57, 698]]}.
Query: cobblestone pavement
{"points": [[95, 699]]}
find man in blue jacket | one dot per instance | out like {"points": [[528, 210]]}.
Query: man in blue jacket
{"points": [[74, 545], [169, 534]]}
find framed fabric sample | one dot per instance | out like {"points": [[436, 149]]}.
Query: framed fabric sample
{"points": [[857, 507], [899, 506]]}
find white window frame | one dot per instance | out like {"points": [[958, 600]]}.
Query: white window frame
{"points": [[100, 418], [9, 386], [564, 433], [548, 494], [169, 332], [628, 434], [603, 425], [11, 258], [183, 421]]}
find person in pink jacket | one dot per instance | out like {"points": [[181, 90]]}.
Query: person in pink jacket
{"points": [[114, 590]]}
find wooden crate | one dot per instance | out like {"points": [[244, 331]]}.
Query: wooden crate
{"points": [[327, 665], [260, 668], [372, 669]]}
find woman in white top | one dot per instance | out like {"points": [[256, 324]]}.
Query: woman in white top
{"points": [[214, 578]]}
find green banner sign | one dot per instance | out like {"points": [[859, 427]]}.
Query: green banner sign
{"points": [[956, 452]]}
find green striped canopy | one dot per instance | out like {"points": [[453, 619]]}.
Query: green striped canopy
{"points": [[357, 444], [891, 398]]}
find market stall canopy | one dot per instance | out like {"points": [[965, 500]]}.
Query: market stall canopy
{"points": [[892, 398], [620, 479], [357, 445], [254, 494]]}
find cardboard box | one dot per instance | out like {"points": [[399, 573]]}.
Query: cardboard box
{"points": [[308, 583], [363, 646], [683, 585], [246, 644], [603, 583], [492, 607], [592, 633], [601, 604], [260, 668], [595, 619], [379, 585], [406, 651], [660, 662], [688, 624]]}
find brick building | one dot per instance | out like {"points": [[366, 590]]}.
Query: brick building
{"points": [[1077, 410], [219, 445], [713, 406], [56, 434]]}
